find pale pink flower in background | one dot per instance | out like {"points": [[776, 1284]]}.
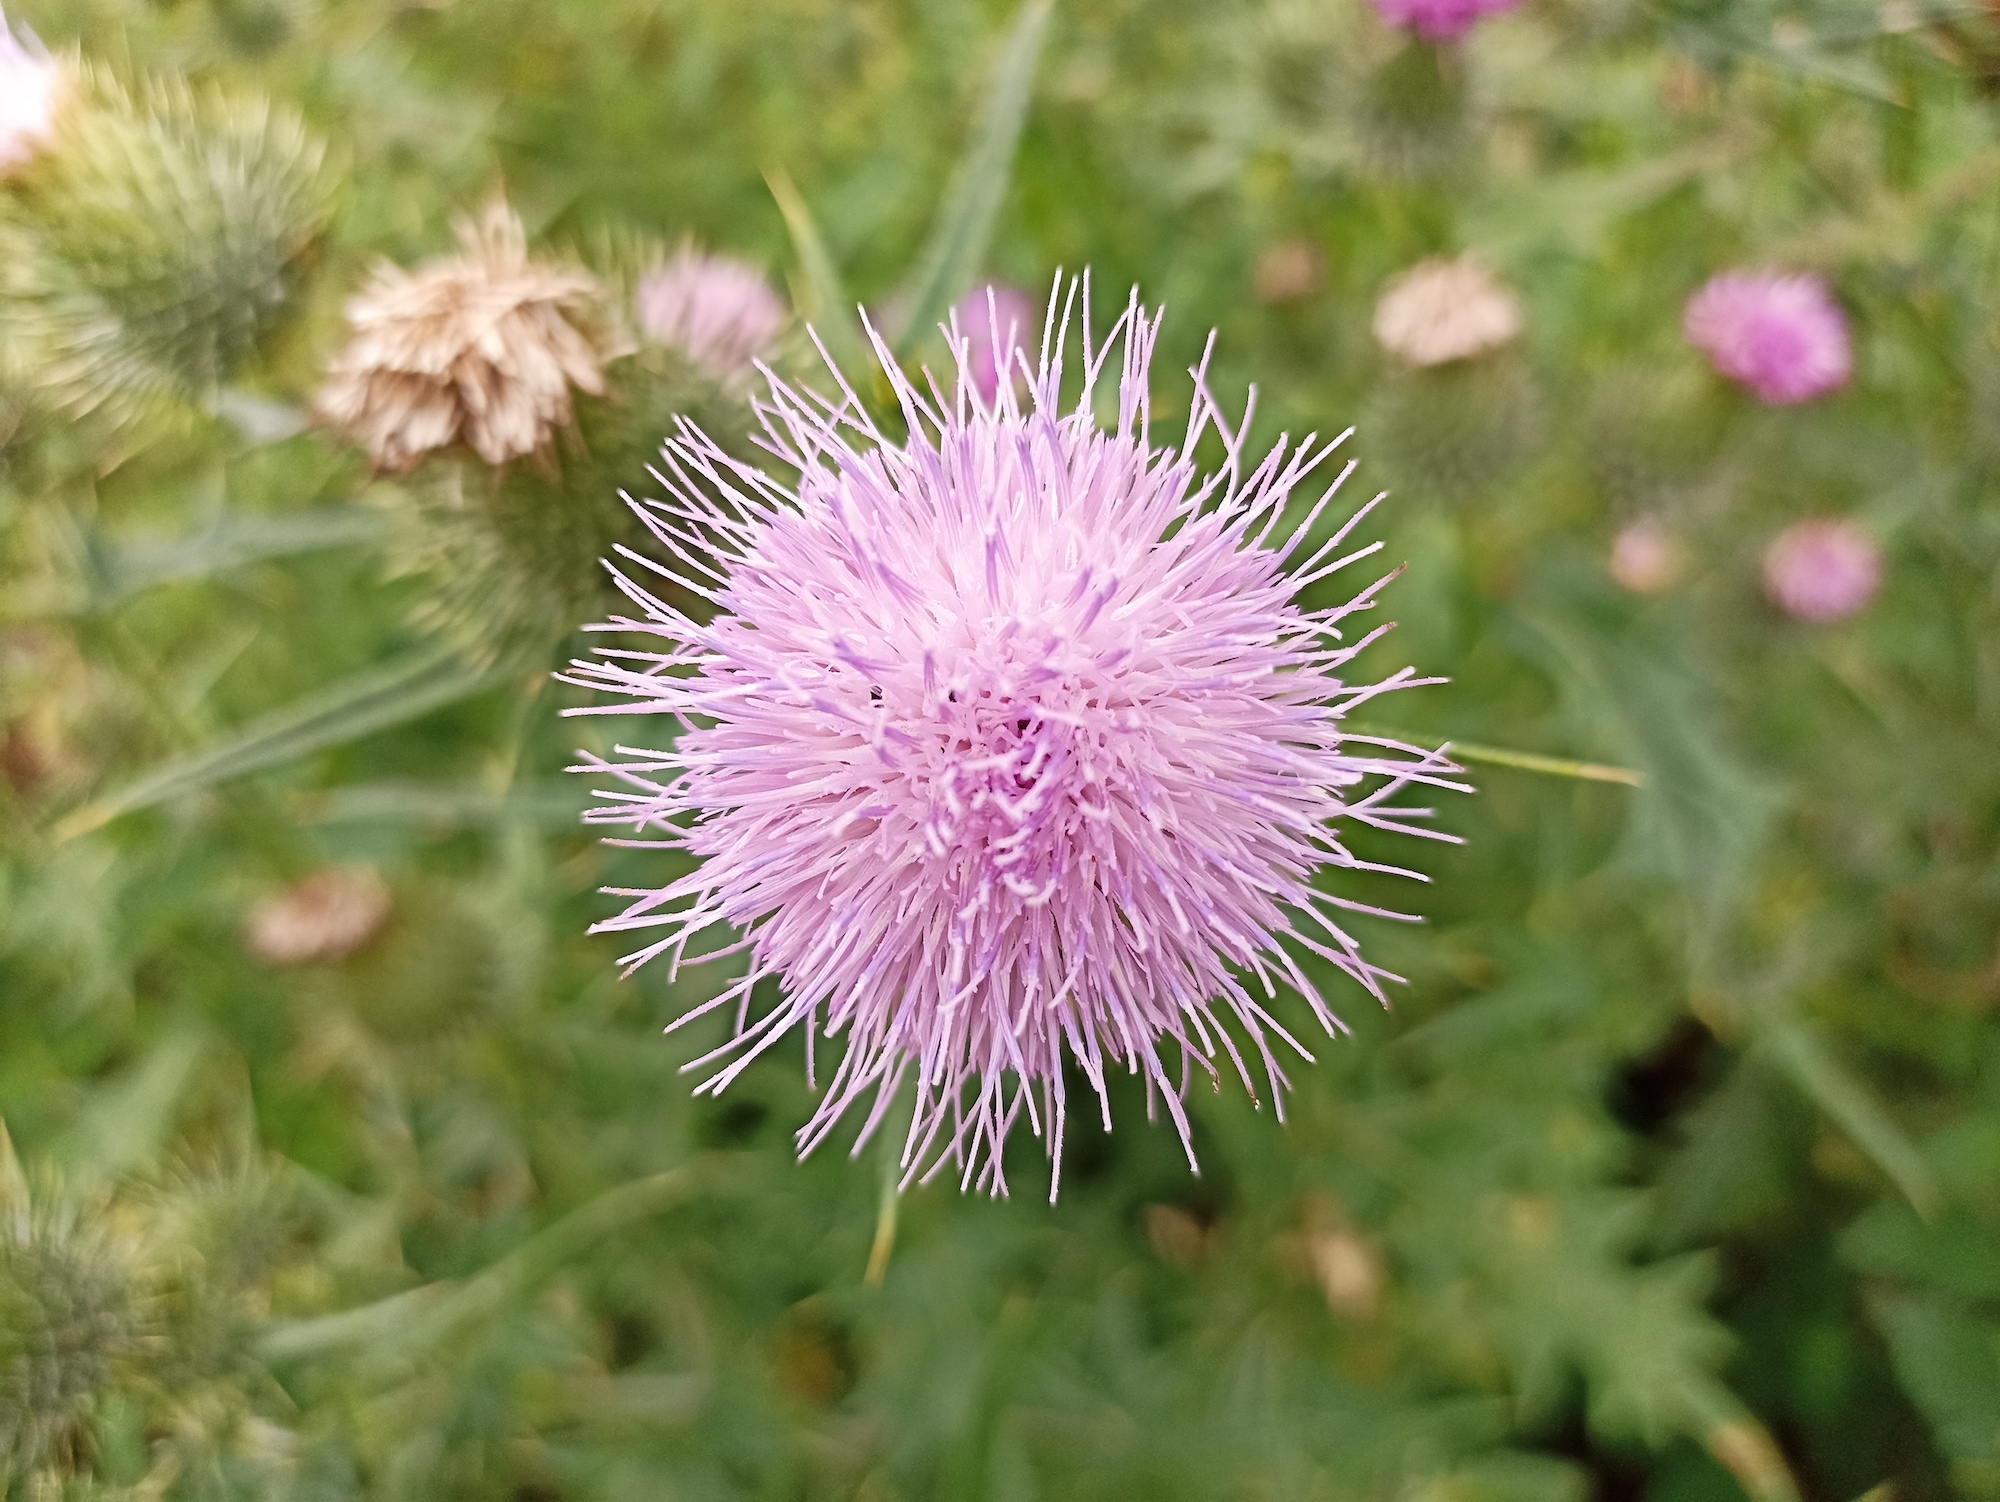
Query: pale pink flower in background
{"points": [[1441, 310], [1006, 742], [1822, 570], [32, 89], [997, 324], [1782, 336], [1646, 558], [719, 312], [1439, 20], [327, 916]]}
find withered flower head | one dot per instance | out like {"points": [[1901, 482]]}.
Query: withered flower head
{"points": [[475, 347], [1444, 310], [327, 916]]}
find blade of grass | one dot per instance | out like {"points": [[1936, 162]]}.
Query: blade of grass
{"points": [[373, 700], [952, 256], [408, 1323], [817, 289]]}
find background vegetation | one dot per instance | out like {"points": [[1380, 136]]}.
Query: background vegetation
{"points": [[1675, 1171]]}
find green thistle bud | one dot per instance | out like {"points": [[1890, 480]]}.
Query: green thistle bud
{"points": [[1650, 432], [72, 1323], [1411, 117], [514, 553], [1453, 433], [429, 975], [168, 233]]}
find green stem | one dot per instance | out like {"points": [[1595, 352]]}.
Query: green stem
{"points": [[1520, 761]]}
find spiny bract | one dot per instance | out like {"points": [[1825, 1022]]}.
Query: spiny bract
{"points": [[1005, 740]]}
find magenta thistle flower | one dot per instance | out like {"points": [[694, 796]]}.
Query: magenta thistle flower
{"points": [[1822, 570], [1782, 336], [719, 312], [1439, 20], [996, 323], [1006, 742], [32, 90]]}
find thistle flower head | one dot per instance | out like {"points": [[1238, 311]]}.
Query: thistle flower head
{"points": [[33, 87], [72, 1321], [1439, 20], [1822, 570], [996, 323], [477, 347], [719, 312], [1782, 336], [1007, 742], [327, 916], [1444, 310]]}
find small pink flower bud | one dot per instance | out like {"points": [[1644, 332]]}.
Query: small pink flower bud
{"points": [[1646, 558], [719, 312], [997, 324], [1822, 570]]}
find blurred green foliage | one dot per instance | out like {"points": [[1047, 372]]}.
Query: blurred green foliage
{"points": [[1674, 1173]]}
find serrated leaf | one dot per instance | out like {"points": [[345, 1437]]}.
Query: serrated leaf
{"points": [[126, 1122], [1734, 1169], [952, 256], [1702, 813], [1804, 1058], [1955, 1254], [1948, 1360]]}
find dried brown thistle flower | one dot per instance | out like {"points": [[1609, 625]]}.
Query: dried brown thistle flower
{"points": [[1444, 310], [475, 347], [327, 916]]}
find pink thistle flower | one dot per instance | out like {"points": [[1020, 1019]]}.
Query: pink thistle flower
{"points": [[32, 90], [995, 323], [1439, 20], [719, 312], [1005, 742], [1782, 336], [1822, 570]]}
